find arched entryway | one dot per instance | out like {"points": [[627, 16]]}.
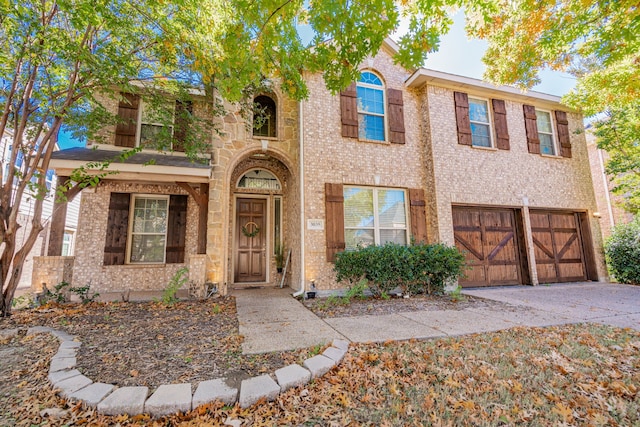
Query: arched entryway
{"points": [[262, 217]]}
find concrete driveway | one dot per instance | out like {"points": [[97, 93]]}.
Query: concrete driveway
{"points": [[607, 303]]}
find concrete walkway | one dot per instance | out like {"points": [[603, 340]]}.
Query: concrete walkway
{"points": [[271, 320]]}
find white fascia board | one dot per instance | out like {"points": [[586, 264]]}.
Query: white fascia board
{"points": [[171, 172], [424, 76]]}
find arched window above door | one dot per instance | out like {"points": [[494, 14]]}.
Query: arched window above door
{"points": [[259, 179], [264, 117]]}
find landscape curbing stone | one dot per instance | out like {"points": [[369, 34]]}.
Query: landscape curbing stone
{"points": [[334, 354], [169, 399], [62, 363], [35, 330], [7, 334], [212, 390], [65, 352], [92, 394], [319, 365], [256, 388], [73, 384], [125, 400], [341, 344], [292, 376], [56, 377], [70, 344]]}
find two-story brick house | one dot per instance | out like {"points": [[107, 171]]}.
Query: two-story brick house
{"points": [[397, 155]]}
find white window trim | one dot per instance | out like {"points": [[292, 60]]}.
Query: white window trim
{"points": [[141, 118], [130, 227], [554, 143], [490, 123], [384, 116], [376, 220]]}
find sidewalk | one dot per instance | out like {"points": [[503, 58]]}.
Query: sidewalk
{"points": [[271, 320]]}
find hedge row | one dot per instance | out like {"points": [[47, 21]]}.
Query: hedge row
{"points": [[414, 269], [622, 250]]}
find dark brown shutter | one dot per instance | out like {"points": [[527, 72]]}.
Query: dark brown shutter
{"points": [[184, 109], [417, 209], [128, 114], [176, 229], [349, 111], [531, 127], [562, 125], [396, 116], [115, 245], [462, 118], [500, 122], [334, 213]]}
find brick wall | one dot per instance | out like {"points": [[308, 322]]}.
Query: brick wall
{"points": [[330, 158], [514, 178], [88, 266]]}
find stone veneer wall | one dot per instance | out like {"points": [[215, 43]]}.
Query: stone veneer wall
{"points": [[479, 176], [50, 271], [231, 152], [89, 268], [330, 158]]}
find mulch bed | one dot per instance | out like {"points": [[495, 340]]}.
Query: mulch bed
{"points": [[150, 344], [335, 307]]}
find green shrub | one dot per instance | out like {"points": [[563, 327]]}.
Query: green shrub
{"points": [[622, 250], [177, 281], [414, 269]]}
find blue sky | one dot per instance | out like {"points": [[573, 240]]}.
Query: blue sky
{"points": [[457, 55]]}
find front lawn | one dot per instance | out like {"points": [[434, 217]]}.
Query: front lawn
{"points": [[566, 375]]}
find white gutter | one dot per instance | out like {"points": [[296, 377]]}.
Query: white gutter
{"points": [[301, 181], [606, 187]]}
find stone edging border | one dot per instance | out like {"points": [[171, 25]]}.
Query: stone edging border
{"points": [[171, 398]]}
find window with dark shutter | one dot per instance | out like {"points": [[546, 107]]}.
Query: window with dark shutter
{"points": [[183, 112], [176, 229], [562, 127], [417, 209], [531, 127], [462, 117], [349, 111], [396, 116], [500, 123], [334, 215], [115, 245], [128, 115]]}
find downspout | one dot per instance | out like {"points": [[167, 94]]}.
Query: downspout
{"points": [[301, 181], [606, 187]]}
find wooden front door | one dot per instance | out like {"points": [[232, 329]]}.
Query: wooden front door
{"points": [[558, 246], [251, 240], [490, 242]]}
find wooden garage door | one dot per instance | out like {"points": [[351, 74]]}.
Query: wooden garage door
{"points": [[558, 246], [489, 240]]}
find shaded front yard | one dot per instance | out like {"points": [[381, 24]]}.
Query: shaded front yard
{"points": [[566, 375]]}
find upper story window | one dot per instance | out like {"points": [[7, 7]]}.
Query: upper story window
{"points": [[371, 107], [163, 126], [545, 132], [264, 119], [480, 122]]}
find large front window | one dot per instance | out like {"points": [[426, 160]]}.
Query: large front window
{"points": [[374, 216], [148, 229], [480, 123], [370, 92], [545, 132]]}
